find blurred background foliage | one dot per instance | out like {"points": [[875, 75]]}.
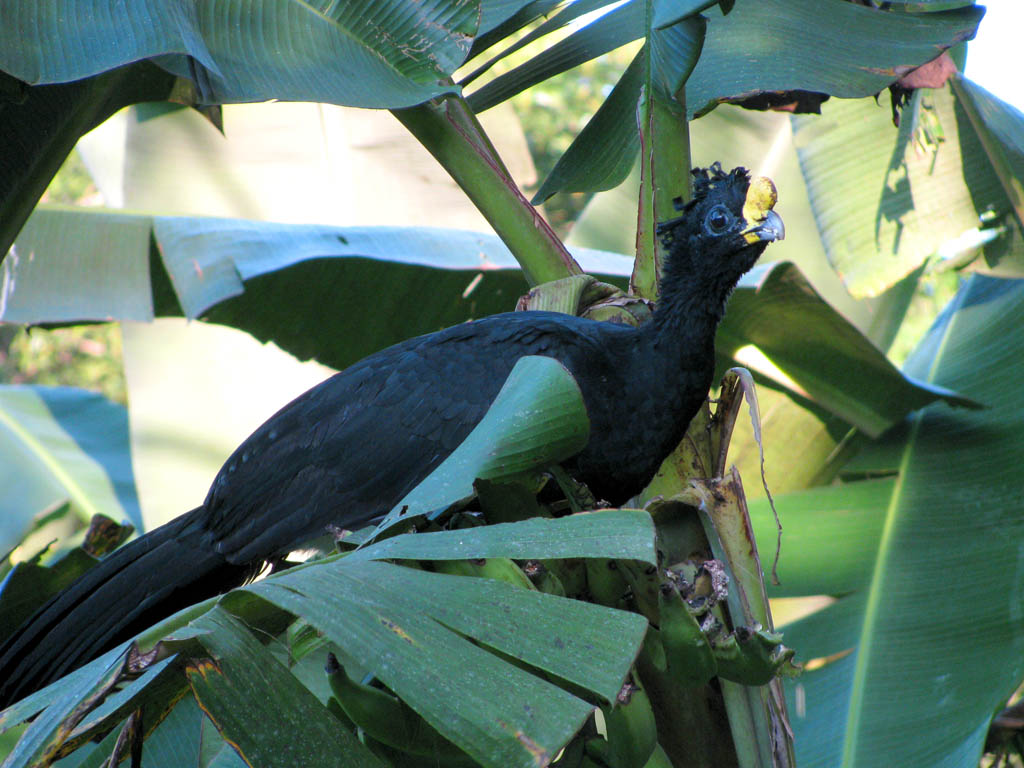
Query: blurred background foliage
{"points": [[87, 356], [551, 113]]}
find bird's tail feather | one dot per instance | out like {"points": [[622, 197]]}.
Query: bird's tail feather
{"points": [[139, 584]]}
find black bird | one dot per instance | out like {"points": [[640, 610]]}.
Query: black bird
{"points": [[349, 449]]}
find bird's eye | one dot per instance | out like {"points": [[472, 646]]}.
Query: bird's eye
{"points": [[718, 220]]}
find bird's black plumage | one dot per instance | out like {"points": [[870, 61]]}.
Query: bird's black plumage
{"points": [[349, 449]]}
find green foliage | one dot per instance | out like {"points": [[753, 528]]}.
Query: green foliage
{"points": [[85, 356], [554, 111], [72, 185], [82, 356], [484, 641], [66, 455]]}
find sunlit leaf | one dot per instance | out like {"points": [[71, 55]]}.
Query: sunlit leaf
{"points": [[886, 201], [566, 14], [507, 28], [614, 29], [999, 128], [830, 361], [495, 12], [605, 151], [830, 536]]}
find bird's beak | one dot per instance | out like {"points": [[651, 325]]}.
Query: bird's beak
{"points": [[757, 208], [768, 229]]}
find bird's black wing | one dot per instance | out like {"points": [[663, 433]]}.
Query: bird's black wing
{"points": [[348, 450]]}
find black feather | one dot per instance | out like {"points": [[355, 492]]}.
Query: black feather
{"points": [[349, 449]]}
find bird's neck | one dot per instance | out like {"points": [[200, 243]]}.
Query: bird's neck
{"points": [[690, 306]]}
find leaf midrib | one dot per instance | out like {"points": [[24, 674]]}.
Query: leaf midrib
{"points": [[851, 740]]}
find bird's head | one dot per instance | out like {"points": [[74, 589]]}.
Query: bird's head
{"points": [[723, 230]]}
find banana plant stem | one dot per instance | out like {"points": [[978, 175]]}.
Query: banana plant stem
{"points": [[449, 130]]}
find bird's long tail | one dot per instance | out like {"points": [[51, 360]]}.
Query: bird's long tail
{"points": [[139, 584]]}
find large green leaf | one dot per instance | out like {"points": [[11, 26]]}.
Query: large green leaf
{"points": [[830, 536], [885, 201], [855, 51], [799, 443], [244, 671], [113, 245], [939, 609], [409, 628], [830, 361], [397, 627], [999, 128], [370, 53], [566, 14], [525, 16], [831, 46], [39, 743], [819, 701], [605, 151], [415, 631], [153, 691], [81, 679], [619, 534], [494, 13], [185, 739], [529, 625], [916, 6], [300, 286], [60, 445]]}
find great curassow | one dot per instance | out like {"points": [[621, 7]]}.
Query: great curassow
{"points": [[349, 449]]}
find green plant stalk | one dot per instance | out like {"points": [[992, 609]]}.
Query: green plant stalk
{"points": [[691, 730], [449, 130], [751, 712], [755, 716], [664, 175], [692, 727], [746, 719]]}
